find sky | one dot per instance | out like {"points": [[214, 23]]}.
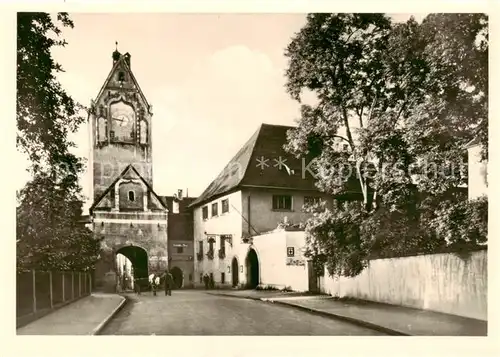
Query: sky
{"points": [[211, 79]]}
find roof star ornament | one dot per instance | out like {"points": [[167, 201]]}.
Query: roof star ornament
{"points": [[262, 162], [280, 163]]}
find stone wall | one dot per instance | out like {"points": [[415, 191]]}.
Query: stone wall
{"points": [[438, 282], [281, 261]]}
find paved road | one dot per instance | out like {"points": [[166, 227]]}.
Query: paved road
{"points": [[193, 312]]}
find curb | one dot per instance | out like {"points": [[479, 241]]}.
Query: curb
{"points": [[237, 296], [351, 320], [103, 323], [330, 315]]}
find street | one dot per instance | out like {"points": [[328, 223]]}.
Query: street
{"points": [[194, 312]]}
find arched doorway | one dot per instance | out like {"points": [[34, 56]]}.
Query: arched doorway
{"points": [[138, 258], [178, 277], [252, 264], [235, 272]]}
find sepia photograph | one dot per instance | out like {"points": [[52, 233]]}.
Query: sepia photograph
{"points": [[252, 174]]}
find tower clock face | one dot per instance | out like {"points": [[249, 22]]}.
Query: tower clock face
{"points": [[122, 122]]}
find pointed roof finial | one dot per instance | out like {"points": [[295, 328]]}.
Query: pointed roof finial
{"points": [[116, 54]]}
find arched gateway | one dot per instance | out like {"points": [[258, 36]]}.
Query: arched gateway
{"points": [[178, 277], [138, 257], [235, 272], [253, 269]]}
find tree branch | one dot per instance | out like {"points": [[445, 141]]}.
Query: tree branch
{"points": [[340, 137], [361, 118], [361, 179], [370, 113]]}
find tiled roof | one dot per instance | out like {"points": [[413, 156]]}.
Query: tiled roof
{"points": [[243, 170]]}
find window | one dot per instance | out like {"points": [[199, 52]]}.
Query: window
{"points": [[111, 134], [223, 278], [205, 212], [190, 277], [121, 76], [200, 247], [345, 147], [222, 249], [308, 200], [180, 250], [225, 206], [215, 207], [282, 202], [131, 196]]}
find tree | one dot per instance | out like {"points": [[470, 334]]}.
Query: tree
{"points": [[413, 114], [45, 112], [49, 232], [49, 228]]}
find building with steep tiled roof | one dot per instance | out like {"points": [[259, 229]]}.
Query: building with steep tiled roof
{"points": [[260, 188]]}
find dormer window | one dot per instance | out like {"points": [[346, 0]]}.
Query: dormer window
{"points": [[131, 196]]}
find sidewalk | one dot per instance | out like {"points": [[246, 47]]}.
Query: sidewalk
{"points": [[86, 316], [391, 319]]}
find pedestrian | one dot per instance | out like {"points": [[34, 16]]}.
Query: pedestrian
{"points": [[137, 286], [156, 284], [205, 280], [169, 282], [212, 282], [152, 283]]}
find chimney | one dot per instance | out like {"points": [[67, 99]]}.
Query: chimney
{"points": [[179, 194]]}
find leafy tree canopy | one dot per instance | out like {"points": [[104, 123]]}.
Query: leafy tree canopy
{"points": [[405, 98], [50, 234]]}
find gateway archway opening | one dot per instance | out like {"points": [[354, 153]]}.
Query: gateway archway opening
{"points": [[235, 272], [252, 263], [132, 267], [178, 277]]}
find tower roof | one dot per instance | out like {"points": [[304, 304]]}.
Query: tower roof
{"points": [[122, 64]]}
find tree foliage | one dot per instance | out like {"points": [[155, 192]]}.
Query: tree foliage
{"points": [[50, 234], [49, 228], [405, 98], [46, 114]]}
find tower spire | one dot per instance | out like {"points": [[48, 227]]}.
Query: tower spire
{"points": [[116, 54]]}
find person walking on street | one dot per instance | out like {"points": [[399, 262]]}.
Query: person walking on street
{"points": [[152, 283], [212, 282], [205, 281], [169, 282], [137, 286]]}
